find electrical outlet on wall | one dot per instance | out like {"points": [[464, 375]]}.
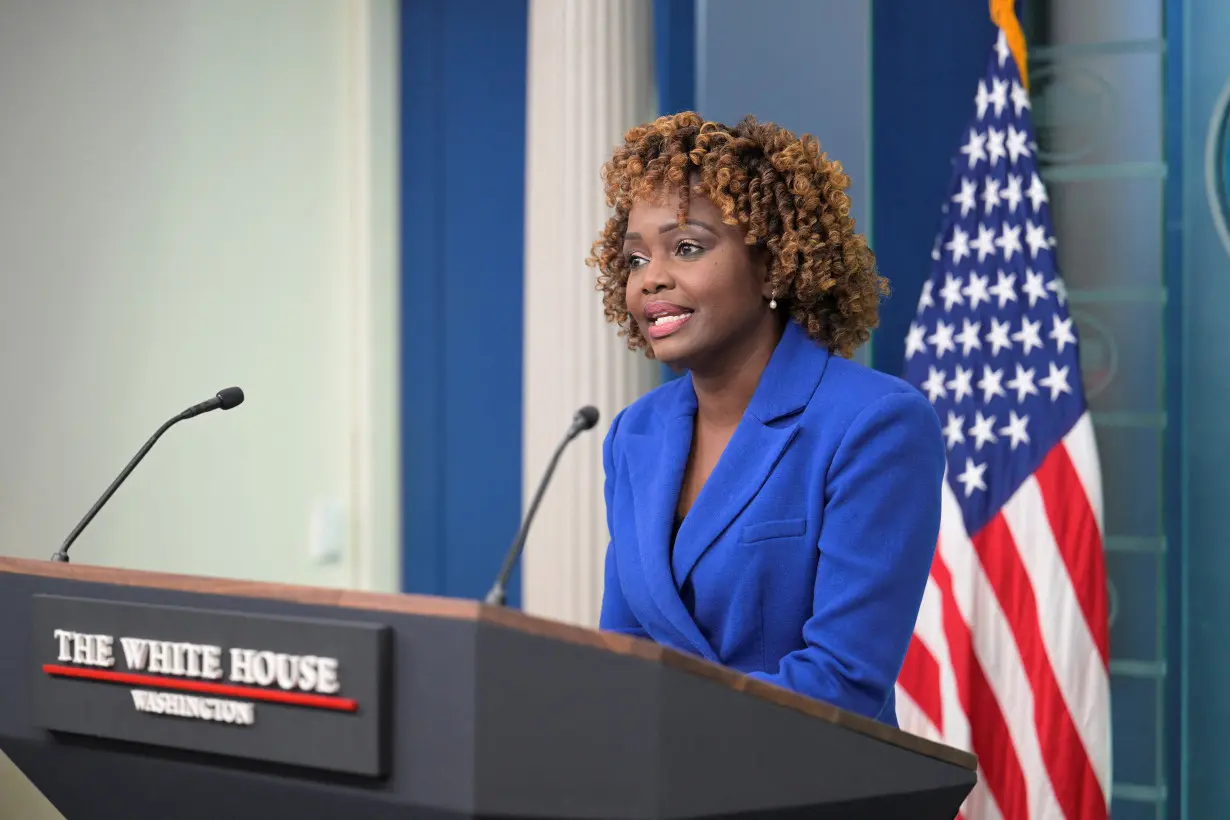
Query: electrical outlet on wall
{"points": [[328, 532]]}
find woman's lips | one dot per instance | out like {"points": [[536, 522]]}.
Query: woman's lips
{"points": [[664, 326]]}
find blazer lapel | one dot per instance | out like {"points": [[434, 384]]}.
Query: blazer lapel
{"points": [[785, 387], [656, 464], [750, 456], [657, 460]]}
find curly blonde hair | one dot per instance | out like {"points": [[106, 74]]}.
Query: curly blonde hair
{"points": [[787, 196]]}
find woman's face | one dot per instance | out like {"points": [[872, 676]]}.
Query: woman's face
{"points": [[698, 292]]}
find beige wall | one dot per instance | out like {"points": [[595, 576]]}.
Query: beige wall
{"points": [[197, 194]]}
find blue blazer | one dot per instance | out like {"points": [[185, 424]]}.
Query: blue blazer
{"points": [[804, 558]]}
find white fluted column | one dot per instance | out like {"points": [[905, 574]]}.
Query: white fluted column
{"points": [[590, 79]]}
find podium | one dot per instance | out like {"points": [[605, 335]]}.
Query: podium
{"points": [[144, 695]]}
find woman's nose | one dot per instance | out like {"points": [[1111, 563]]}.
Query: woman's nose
{"points": [[654, 278]]}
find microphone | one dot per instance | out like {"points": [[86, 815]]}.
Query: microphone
{"points": [[584, 419], [225, 399]]}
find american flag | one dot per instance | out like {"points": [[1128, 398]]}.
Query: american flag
{"points": [[1010, 652]]}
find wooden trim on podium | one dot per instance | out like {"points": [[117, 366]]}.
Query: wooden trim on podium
{"points": [[461, 609]]}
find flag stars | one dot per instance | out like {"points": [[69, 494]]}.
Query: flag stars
{"points": [[990, 196], [914, 341], [958, 246], [1034, 287], [1036, 193], [983, 430], [1020, 98], [1056, 380], [995, 301], [1009, 240], [982, 99], [934, 385], [966, 196], [990, 384], [1036, 238], [951, 292], [1023, 383], [968, 337], [954, 430], [997, 336], [1016, 429], [971, 478], [1057, 287], [1002, 52], [976, 290], [999, 95], [1028, 335], [985, 243], [941, 340], [1016, 144], [995, 146], [960, 384], [975, 149], [1012, 195], [1004, 288], [1061, 332]]}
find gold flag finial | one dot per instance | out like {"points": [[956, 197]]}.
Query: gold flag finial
{"points": [[1003, 14]]}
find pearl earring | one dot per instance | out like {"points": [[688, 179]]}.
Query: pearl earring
{"points": [[773, 303]]}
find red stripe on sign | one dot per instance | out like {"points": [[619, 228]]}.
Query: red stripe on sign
{"points": [[204, 687]]}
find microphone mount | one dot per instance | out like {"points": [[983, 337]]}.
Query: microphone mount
{"points": [[224, 400], [584, 419]]}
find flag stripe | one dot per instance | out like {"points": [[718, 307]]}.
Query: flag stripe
{"points": [[921, 666], [912, 719], [1070, 647], [981, 805], [1081, 446], [929, 630], [1071, 519], [998, 760], [1063, 754], [993, 652]]}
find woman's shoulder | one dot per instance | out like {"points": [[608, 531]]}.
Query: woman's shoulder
{"points": [[865, 380], [866, 416], [851, 390]]}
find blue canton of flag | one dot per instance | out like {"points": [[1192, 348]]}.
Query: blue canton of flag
{"points": [[992, 345]]}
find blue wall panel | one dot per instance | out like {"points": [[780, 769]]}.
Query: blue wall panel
{"points": [[927, 59], [802, 64], [674, 40], [462, 187], [1205, 111], [1173, 718]]}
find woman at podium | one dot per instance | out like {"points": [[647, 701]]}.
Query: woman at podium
{"points": [[775, 509]]}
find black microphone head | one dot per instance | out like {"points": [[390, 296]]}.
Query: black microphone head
{"points": [[230, 397], [587, 417]]}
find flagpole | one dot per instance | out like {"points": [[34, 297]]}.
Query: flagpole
{"points": [[1003, 14]]}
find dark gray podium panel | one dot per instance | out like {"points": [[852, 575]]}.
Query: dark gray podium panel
{"points": [[664, 743], [487, 721]]}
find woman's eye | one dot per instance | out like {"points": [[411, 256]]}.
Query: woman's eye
{"points": [[687, 247], [635, 261]]}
